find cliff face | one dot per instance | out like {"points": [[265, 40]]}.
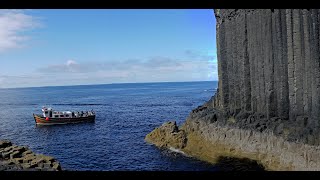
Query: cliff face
{"points": [[268, 64], [267, 104]]}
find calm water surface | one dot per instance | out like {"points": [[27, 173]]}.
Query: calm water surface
{"points": [[115, 141]]}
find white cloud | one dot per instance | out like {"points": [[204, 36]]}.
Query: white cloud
{"points": [[71, 62], [155, 65], [157, 69], [12, 25], [153, 69]]}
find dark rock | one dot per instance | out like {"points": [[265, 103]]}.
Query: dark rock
{"points": [[38, 168], [48, 169], [5, 155], [9, 162], [56, 166], [16, 158], [26, 152], [5, 143], [238, 164], [2, 167], [29, 157], [15, 154], [274, 76], [47, 165], [279, 129], [13, 168], [37, 160], [25, 165]]}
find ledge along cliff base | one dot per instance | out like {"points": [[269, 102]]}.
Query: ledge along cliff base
{"points": [[21, 158], [267, 106]]}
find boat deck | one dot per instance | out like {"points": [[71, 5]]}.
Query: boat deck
{"points": [[40, 120]]}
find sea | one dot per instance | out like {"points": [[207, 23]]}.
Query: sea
{"points": [[125, 114]]}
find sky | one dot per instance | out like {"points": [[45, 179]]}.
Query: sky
{"points": [[56, 47]]}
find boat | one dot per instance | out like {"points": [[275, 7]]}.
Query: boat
{"points": [[51, 117]]}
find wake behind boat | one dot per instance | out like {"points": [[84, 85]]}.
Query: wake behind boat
{"points": [[51, 117]]}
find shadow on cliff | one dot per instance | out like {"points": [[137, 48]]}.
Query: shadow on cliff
{"points": [[238, 164]]}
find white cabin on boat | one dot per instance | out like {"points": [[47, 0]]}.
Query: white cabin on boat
{"points": [[49, 112]]}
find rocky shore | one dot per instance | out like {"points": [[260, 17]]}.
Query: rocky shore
{"points": [[267, 104], [204, 137], [21, 158]]}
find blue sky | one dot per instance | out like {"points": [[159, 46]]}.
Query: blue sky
{"points": [[71, 47]]}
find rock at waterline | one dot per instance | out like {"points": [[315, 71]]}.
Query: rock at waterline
{"points": [[20, 158], [168, 135]]}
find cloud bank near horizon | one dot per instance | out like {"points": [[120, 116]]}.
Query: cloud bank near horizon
{"points": [[194, 67]]}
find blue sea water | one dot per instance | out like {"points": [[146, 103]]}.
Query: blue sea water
{"points": [[125, 113]]}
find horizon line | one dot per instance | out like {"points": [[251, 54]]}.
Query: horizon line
{"points": [[105, 84]]}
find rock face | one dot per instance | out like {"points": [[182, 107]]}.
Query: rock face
{"points": [[272, 151], [203, 136], [20, 158], [268, 62], [267, 106], [168, 135]]}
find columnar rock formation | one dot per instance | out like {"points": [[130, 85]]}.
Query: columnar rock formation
{"points": [[269, 63], [267, 106], [21, 158]]}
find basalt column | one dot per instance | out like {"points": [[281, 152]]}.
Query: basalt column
{"points": [[268, 63]]}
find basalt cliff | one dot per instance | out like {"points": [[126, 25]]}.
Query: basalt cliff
{"points": [[267, 107]]}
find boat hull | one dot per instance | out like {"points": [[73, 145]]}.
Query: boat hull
{"points": [[40, 120]]}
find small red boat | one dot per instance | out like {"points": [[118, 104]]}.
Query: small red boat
{"points": [[51, 117]]}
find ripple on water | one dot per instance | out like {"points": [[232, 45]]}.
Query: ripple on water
{"points": [[115, 141]]}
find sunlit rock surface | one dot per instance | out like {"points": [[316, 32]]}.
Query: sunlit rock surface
{"points": [[267, 107], [21, 158]]}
